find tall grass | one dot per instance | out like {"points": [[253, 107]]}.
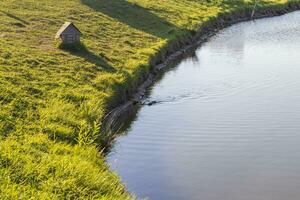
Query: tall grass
{"points": [[52, 100]]}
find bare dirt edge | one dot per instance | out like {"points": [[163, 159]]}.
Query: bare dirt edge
{"points": [[174, 51]]}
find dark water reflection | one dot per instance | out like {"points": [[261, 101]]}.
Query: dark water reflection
{"points": [[228, 123]]}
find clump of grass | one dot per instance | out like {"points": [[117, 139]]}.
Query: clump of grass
{"points": [[52, 100], [43, 169]]}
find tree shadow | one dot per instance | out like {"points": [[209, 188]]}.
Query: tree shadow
{"points": [[82, 51], [135, 16]]}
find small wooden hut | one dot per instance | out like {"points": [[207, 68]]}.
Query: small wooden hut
{"points": [[68, 33]]}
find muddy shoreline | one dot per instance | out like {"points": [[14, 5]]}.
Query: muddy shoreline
{"points": [[174, 51]]}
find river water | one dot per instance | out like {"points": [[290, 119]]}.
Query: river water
{"points": [[227, 125]]}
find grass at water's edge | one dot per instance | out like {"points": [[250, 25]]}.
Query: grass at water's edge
{"points": [[52, 101]]}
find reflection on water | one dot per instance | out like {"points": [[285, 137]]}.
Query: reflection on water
{"points": [[227, 123]]}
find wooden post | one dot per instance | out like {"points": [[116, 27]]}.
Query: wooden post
{"points": [[253, 11]]}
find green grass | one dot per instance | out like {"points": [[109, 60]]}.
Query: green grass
{"points": [[52, 100]]}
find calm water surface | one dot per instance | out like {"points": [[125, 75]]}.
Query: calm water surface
{"points": [[228, 123]]}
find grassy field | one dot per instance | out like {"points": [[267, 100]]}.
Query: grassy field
{"points": [[52, 101]]}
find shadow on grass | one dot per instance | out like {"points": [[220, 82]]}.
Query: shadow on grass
{"points": [[82, 51], [244, 4], [134, 16], [22, 22]]}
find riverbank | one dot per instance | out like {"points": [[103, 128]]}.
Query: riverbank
{"points": [[229, 101], [174, 51], [53, 101]]}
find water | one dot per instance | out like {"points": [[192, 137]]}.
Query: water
{"points": [[228, 123]]}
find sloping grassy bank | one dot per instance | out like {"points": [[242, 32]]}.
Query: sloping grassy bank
{"points": [[53, 101]]}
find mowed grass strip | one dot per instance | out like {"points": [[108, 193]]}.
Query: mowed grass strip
{"points": [[52, 101]]}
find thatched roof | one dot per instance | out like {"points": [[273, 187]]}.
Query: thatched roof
{"points": [[64, 27]]}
